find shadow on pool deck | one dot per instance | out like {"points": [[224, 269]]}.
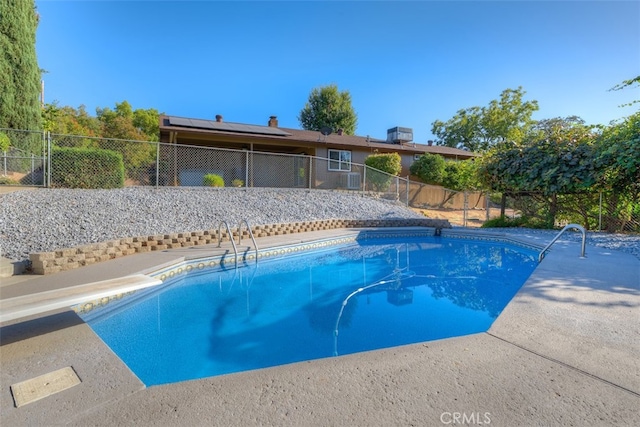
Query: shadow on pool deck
{"points": [[565, 351]]}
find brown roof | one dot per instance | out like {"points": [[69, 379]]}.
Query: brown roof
{"points": [[306, 137], [368, 142]]}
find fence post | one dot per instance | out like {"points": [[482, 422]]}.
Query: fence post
{"points": [[246, 169], [407, 183], [250, 173], [364, 179], [397, 188], [43, 158], [48, 160], [465, 207], [157, 164], [600, 214], [310, 171], [487, 205]]}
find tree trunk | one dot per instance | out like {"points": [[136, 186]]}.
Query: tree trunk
{"points": [[503, 204], [553, 211]]}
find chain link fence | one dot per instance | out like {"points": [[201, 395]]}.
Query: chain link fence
{"points": [[23, 160], [51, 160], [597, 211]]}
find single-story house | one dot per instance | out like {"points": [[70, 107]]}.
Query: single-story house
{"points": [[342, 150]]}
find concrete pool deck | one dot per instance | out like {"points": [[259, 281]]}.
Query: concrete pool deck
{"points": [[565, 351]]}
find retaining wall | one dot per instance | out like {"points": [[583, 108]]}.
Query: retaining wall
{"points": [[72, 258]]}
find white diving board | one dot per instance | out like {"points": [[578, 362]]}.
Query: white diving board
{"points": [[42, 302]]}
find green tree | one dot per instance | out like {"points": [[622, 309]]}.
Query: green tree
{"points": [[19, 71], [479, 128], [625, 84], [147, 122], [559, 160], [123, 122], [461, 175], [454, 176], [118, 123], [619, 150], [329, 107], [70, 121], [430, 168], [119, 127], [122, 129]]}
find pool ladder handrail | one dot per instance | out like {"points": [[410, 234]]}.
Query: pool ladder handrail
{"points": [[566, 227], [255, 245], [233, 243]]}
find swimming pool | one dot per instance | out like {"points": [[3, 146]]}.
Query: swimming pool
{"points": [[361, 295]]}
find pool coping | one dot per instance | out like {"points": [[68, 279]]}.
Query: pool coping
{"points": [[570, 318], [86, 297]]}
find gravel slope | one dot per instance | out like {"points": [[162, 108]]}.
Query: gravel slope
{"points": [[44, 220]]}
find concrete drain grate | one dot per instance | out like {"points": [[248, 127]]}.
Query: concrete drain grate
{"points": [[37, 388]]}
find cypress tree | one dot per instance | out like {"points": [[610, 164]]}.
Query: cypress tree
{"points": [[19, 72]]}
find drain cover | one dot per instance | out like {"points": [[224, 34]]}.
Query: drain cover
{"points": [[45, 385]]}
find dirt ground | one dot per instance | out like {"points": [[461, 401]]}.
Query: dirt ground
{"points": [[475, 217]]}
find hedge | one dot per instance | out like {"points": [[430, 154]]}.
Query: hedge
{"points": [[389, 163], [86, 168]]}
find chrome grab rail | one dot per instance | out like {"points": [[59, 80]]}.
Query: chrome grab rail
{"points": [[566, 227], [255, 245], [233, 243]]}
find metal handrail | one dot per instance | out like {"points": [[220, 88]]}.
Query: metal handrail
{"points": [[255, 245], [566, 227], [233, 243]]}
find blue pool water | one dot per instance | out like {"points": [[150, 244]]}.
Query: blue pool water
{"points": [[367, 295]]}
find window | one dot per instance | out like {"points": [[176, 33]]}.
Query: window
{"points": [[339, 160]]}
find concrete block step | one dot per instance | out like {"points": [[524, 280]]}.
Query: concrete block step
{"points": [[10, 267]]}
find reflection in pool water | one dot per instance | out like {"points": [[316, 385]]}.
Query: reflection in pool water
{"points": [[367, 295]]}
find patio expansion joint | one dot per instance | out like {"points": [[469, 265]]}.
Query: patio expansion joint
{"points": [[566, 365]]}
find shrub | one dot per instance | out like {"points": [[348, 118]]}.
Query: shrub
{"points": [[430, 168], [522, 221], [213, 180], [4, 141], [5, 180], [86, 168], [389, 163], [237, 183]]}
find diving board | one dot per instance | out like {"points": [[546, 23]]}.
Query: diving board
{"points": [[42, 302]]}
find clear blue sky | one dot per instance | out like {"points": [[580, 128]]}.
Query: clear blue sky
{"points": [[404, 63]]}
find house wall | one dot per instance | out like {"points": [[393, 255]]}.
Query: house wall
{"points": [[359, 156], [266, 170], [406, 160], [186, 165]]}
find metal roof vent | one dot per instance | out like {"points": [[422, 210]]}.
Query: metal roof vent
{"points": [[398, 135]]}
